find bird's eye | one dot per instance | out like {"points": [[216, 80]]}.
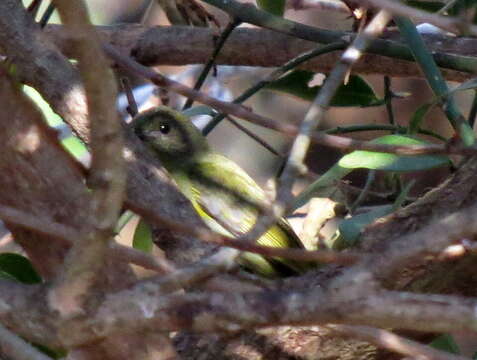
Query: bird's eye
{"points": [[164, 128]]}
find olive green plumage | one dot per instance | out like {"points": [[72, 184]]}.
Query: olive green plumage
{"points": [[226, 198]]}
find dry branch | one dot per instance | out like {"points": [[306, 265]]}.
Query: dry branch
{"points": [[85, 261], [185, 46]]}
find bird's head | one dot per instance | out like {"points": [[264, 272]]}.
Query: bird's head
{"points": [[169, 134]]}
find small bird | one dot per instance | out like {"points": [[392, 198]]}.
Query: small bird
{"points": [[225, 196]]}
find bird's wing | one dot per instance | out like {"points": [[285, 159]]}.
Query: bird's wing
{"points": [[229, 201]]}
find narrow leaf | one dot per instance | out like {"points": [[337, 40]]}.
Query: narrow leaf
{"points": [[276, 7], [392, 162], [350, 229], [418, 117], [14, 266], [445, 342], [356, 92], [142, 239]]}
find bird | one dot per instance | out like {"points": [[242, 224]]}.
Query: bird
{"points": [[226, 198]]}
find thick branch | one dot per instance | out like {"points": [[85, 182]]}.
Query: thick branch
{"points": [[232, 312], [16, 348], [86, 259], [248, 13], [185, 45]]}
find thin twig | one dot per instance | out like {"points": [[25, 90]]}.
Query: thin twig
{"points": [[34, 7], [275, 75], [68, 234], [473, 111], [47, 14], [254, 136], [322, 256], [316, 113], [364, 193], [388, 99], [444, 22], [137, 257], [14, 347], [107, 175], [243, 243], [446, 7], [132, 107], [65, 233], [210, 63]]}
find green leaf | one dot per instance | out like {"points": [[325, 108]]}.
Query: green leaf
{"points": [[418, 117], [74, 146], [392, 162], [356, 92], [276, 7], [142, 239], [445, 342], [54, 354], [350, 229], [14, 266], [71, 143]]}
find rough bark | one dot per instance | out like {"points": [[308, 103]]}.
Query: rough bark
{"points": [[184, 46]]}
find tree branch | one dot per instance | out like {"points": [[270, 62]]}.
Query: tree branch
{"points": [[146, 307], [174, 45], [85, 260], [40, 224], [452, 24], [248, 13], [16, 348]]}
